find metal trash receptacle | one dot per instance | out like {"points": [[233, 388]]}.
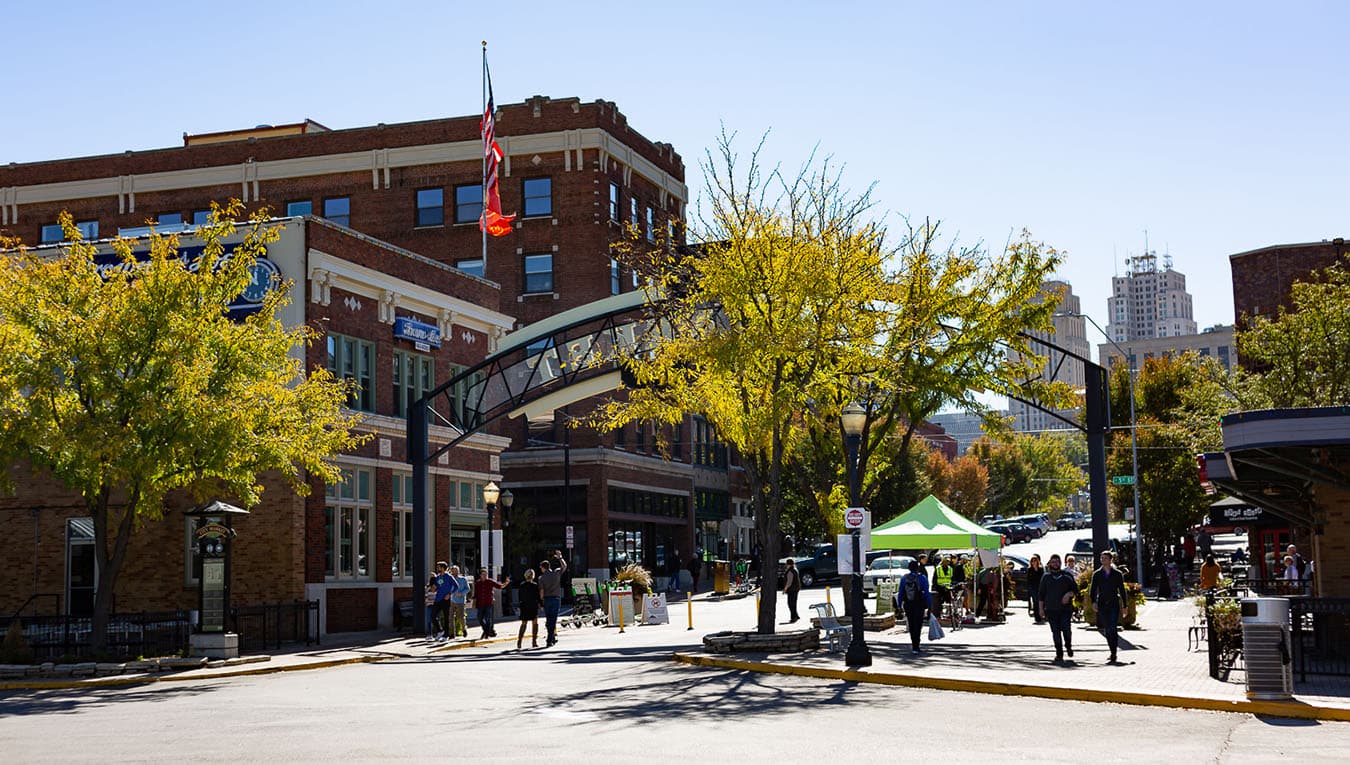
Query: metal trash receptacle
{"points": [[1265, 648], [721, 577]]}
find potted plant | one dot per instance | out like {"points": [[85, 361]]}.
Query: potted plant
{"points": [[1136, 598], [637, 577]]}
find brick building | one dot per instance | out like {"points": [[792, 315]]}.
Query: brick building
{"points": [[1262, 277], [405, 199]]}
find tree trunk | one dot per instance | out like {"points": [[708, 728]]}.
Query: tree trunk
{"points": [[769, 536], [108, 565]]}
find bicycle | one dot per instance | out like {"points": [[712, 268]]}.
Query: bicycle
{"points": [[954, 612]]}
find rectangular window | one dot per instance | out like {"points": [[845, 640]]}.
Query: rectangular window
{"points": [[338, 210], [52, 233], [468, 203], [538, 197], [201, 217], [614, 202], [353, 359], [305, 207], [81, 574], [430, 207], [88, 229], [615, 286], [466, 495], [348, 525], [412, 379], [633, 210], [539, 273], [169, 219], [471, 266], [651, 225], [402, 537]]}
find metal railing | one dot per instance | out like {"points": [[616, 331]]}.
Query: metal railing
{"points": [[275, 624], [1276, 588], [1320, 632], [158, 633]]}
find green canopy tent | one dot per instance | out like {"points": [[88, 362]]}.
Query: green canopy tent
{"points": [[929, 525]]}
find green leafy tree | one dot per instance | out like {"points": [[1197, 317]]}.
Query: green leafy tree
{"points": [[125, 384], [1302, 356], [1028, 472]]}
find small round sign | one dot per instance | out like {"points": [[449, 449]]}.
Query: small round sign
{"points": [[853, 518]]}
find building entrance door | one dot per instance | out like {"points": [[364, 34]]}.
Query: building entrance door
{"points": [[81, 574]]}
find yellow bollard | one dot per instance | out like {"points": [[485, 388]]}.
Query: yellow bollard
{"points": [[827, 594], [620, 601], [689, 600], [757, 603]]}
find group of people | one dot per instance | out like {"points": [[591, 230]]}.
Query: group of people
{"points": [[447, 594]]}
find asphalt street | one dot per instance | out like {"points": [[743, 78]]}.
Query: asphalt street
{"points": [[586, 701]]}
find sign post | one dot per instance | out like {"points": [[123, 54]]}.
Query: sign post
{"points": [[214, 536]]}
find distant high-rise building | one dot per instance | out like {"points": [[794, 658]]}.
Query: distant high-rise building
{"points": [[1071, 334], [1216, 341], [963, 427], [1147, 303]]}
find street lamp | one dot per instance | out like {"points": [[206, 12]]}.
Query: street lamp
{"points": [[853, 419], [492, 495], [1134, 451]]}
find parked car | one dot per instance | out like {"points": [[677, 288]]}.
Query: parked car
{"points": [[988, 519], [1012, 531], [1036, 522], [1071, 521], [1019, 575], [889, 567], [1085, 553]]}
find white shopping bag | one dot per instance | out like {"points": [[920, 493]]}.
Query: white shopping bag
{"points": [[934, 628]]}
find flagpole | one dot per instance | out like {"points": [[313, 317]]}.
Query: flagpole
{"points": [[482, 195]]}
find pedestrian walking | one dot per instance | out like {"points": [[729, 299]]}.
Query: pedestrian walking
{"points": [[1108, 595], [915, 601], [484, 598], [528, 592], [792, 585], [458, 625], [1034, 573], [429, 600], [1055, 595], [1210, 573], [550, 587], [445, 590]]}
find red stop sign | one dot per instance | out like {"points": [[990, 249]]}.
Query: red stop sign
{"points": [[853, 518]]}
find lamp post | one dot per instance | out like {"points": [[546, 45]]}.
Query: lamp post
{"points": [[853, 419], [492, 495], [1134, 453]]}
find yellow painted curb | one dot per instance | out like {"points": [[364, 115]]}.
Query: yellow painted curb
{"points": [[469, 644], [115, 681], [1292, 709]]}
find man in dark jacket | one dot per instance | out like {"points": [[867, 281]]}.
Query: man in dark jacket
{"points": [[792, 584], [1108, 596], [914, 601], [1056, 593]]}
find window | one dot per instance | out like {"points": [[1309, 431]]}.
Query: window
{"points": [[413, 379], [169, 219], [348, 526], [353, 359], [305, 207], [52, 232], [539, 273], [471, 266], [615, 286], [430, 207], [538, 197], [651, 227], [338, 210], [81, 574], [468, 203], [201, 217], [465, 397], [470, 495], [614, 202], [403, 543], [633, 210]]}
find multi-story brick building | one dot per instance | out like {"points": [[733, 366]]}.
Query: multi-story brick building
{"points": [[1262, 277], [577, 177]]}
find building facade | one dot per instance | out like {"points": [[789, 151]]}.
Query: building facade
{"points": [[1146, 302], [1216, 341], [578, 178], [1262, 277], [1070, 333]]}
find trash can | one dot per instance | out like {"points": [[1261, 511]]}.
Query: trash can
{"points": [[721, 577], [1265, 648]]}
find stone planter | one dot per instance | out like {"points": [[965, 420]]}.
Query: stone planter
{"points": [[871, 622], [753, 642]]}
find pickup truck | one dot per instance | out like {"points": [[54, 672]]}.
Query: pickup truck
{"points": [[823, 564]]}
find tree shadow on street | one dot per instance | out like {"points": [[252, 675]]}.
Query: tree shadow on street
{"points": [[20, 703]]}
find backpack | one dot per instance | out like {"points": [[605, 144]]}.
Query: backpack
{"points": [[911, 589]]}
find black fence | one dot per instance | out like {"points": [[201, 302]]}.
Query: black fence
{"points": [[1320, 632], [276, 624], [160, 633], [1275, 588]]}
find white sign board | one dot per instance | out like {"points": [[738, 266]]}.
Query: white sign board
{"points": [[570, 537], [844, 547], [867, 531], [496, 556], [621, 602], [654, 609], [586, 586], [886, 590]]}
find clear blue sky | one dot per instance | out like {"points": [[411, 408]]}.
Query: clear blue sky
{"points": [[1218, 127]]}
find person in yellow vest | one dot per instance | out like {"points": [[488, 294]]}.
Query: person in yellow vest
{"points": [[942, 583]]}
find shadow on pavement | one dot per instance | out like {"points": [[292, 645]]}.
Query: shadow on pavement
{"points": [[71, 700]]}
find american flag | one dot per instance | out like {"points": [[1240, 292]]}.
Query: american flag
{"points": [[492, 221]]}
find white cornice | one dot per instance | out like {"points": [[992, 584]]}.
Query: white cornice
{"points": [[376, 285], [375, 161]]}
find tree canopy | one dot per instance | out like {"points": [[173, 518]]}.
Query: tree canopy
{"points": [[127, 382], [1303, 355]]}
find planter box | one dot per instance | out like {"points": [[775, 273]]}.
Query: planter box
{"points": [[753, 642], [871, 622]]}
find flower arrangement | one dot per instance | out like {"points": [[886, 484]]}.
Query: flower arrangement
{"points": [[639, 578]]}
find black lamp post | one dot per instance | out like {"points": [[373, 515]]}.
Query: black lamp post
{"points": [[853, 419], [491, 495]]}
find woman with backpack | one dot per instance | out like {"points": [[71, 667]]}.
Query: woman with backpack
{"points": [[914, 600]]}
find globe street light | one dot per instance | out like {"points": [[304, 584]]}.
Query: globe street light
{"points": [[492, 494], [853, 419]]}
